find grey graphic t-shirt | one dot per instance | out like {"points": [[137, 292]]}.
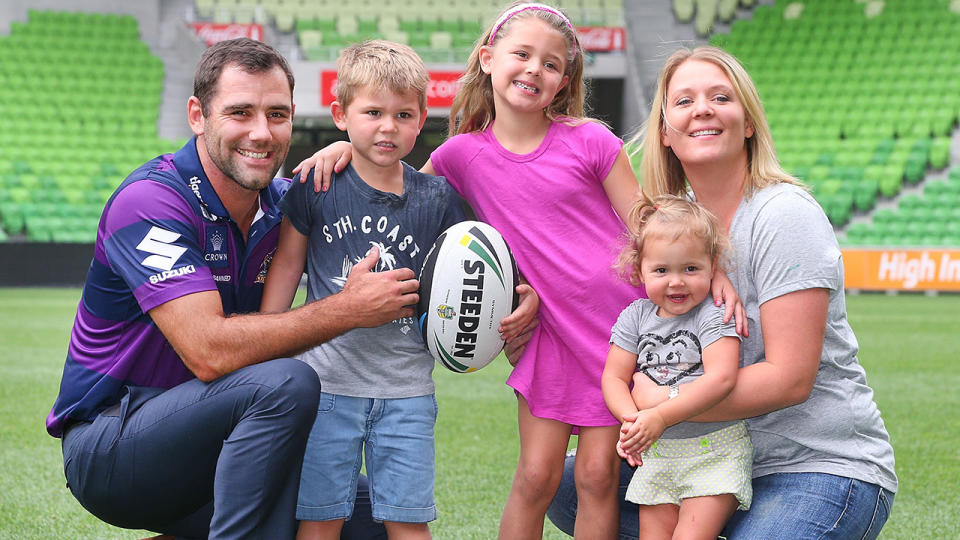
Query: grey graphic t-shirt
{"points": [[669, 350], [342, 224]]}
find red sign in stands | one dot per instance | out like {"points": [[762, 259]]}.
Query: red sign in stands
{"points": [[602, 38], [444, 84], [211, 33], [441, 90]]}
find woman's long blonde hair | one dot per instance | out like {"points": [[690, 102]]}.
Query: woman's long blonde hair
{"points": [[473, 108], [661, 169]]}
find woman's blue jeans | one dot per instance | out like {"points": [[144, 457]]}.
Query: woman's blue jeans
{"points": [[785, 505], [812, 505]]}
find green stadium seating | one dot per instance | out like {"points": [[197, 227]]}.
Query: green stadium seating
{"points": [[860, 95], [93, 90], [409, 21]]}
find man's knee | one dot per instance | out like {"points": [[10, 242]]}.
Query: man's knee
{"points": [[296, 377], [291, 386], [301, 382]]}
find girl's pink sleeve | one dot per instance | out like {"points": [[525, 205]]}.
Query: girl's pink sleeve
{"points": [[604, 147]]}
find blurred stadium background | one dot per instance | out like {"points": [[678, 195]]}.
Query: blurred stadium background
{"points": [[863, 98]]}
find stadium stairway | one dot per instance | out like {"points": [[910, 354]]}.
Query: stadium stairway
{"points": [[179, 49], [860, 97]]}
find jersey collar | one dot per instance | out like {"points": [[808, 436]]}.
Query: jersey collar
{"points": [[187, 162]]}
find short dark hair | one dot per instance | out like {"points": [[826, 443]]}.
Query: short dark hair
{"points": [[251, 55]]}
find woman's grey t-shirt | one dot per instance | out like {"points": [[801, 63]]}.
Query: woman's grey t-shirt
{"points": [[782, 243]]}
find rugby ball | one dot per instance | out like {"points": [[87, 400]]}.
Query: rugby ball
{"points": [[467, 286]]}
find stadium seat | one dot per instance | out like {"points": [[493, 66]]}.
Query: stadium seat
{"points": [[411, 21], [866, 90], [441, 40], [94, 86]]}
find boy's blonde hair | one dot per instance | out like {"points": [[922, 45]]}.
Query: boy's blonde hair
{"points": [[472, 108], [380, 64], [669, 217], [662, 171]]}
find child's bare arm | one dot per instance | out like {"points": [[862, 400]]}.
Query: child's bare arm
{"points": [[286, 268], [720, 363], [615, 381], [621, 186], [615, 384], [646, 393]]}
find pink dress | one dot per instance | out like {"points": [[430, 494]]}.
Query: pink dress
{"points": [[551, 208]]}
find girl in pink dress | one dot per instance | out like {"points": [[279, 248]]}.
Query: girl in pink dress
{"points": [[557, 186]]}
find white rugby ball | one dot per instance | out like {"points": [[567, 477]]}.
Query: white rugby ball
{"points": [[467, 286]]}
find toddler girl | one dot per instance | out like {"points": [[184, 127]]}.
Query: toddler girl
{"points": [[691, 476]]}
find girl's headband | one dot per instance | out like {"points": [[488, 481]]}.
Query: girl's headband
{"points": [[531, 6]]}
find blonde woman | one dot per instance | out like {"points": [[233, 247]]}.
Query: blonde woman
{"points": [[821, 448]]}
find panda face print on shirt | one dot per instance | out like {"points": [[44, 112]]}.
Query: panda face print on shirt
{"points": [[669, 359]]}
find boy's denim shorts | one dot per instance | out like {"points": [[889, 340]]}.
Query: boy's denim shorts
{"points": [[392, 437]]}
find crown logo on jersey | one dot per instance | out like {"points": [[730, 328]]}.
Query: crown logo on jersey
{"points": [[217, 241]]}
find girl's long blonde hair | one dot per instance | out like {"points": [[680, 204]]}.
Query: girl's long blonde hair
{"points": [[473, 108], [661, 169], [669, 217]]}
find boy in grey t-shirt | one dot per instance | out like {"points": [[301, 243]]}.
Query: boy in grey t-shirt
{"points": [[377, 398]]}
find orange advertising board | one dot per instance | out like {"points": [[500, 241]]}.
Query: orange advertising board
{"points": [[902, 269]]}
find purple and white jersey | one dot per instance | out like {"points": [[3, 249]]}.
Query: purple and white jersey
{"points": [[163, 234]]}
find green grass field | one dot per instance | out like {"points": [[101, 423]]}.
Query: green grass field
{"points": [[909, 345]]}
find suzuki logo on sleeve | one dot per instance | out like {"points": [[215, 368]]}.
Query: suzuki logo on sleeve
{"points": [[159, 242]]}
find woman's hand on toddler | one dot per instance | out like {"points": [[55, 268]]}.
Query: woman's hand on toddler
{"points": [[723, 293]]}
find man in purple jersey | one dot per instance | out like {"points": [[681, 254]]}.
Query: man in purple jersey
{"points": [[179, 409]]}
